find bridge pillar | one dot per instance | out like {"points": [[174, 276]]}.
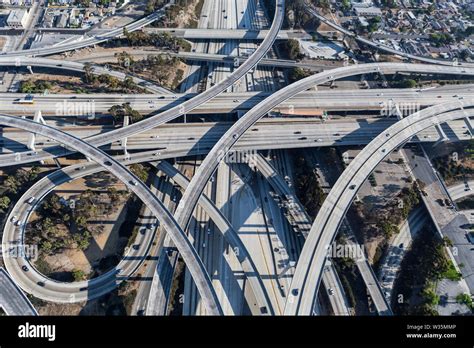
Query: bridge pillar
{"points": [[123, 142], [32, 136], [38, 117], [30, 69], [469, 125], [442, 134], [289, 265]]}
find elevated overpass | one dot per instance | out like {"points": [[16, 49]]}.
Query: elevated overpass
{"points": [[169, 114], [324, 229], [189, 254], [78, 67], [223, 146], [85, 41], [377, 100]]}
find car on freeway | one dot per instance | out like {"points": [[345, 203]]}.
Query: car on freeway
{"points": [[25, 268]]}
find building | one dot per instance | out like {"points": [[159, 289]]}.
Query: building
{"points": [[367, 11], [61, 20], [18, 18]]}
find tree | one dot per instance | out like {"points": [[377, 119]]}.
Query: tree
{"points": [[113, 194], [78, 275], [124, 59], [88, 75], [118, 112], [292, 48], [4, 202], [12, 184], [129, 83]]}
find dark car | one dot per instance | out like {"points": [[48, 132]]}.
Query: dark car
{"points": [[24, 268], [40, 284]]}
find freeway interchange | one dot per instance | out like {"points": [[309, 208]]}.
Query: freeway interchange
{"points": [[156, 138]]}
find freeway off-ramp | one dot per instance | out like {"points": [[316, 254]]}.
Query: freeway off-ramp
{"points": [[172, 113], [308, 271], [77, 67], [193, 262], [190, 256], [225, 143], [84, 42], [195, 188], [229, 139]]}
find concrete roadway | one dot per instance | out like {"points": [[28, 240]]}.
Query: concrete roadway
{"points": [[66, 105], [12, 299], [300, 218], [231, 237], [222, 147], [85, 41], [161, 185], [172, 113], [193, 262], [219, 34], [71, 292], [327, 177], [130, 262], [228, 59], [78, 67], [461, 190], [397, 248], [190, 147], [267, 134], [325, 226]]}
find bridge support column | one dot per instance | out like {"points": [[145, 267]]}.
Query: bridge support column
{"points": [[32, 136], [442, 134], [289, 265], [38, 117], [30, 69], [123, 142], [469, 125]]}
